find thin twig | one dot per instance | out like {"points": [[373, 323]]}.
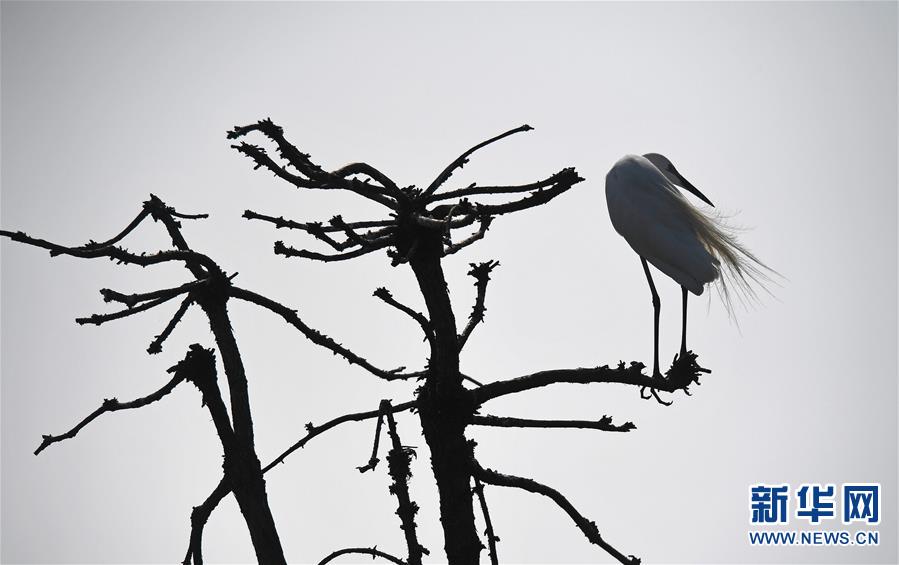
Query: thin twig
{"points": [[130, 300], [373, 460], [354, 238], [373, 173], [198, 518], [313, 431], [476, 236], [463, 158], [287, 251], [110, 405], [373, 551], [156, 344], [481, 273], [388, 298], [564, 181], [604, 424], [586, 526], [112, 252], [473, 189], [316, 337], [98, 319], [281, 222], [443, 224], [315, 229], [121, 235], [315, 176], [488, 525]]}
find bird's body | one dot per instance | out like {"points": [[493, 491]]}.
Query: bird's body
{"points": [[686, 243], [650, 213]]}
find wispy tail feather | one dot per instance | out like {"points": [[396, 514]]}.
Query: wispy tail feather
{"points": [[741, 273]]}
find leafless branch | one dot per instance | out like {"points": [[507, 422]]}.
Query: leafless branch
{"points": [[462, 159], [373, 551], [313, 176], [112, 252], [473, 189], [488, 524], [565, 179], [121, 235], [98, 319], [476, 236], [130, 300], [156, 344], [313, 431], [315, 229], [198, 518], [481, 273], [354, 238], [467, 218], [110, 405], [373, 460], [316, 337], [605, 423], [683, 372], [586, 526], [388, 298], [188, 216], [287, 251], [373, 173], [398, 460], [261, 158], [281, 222]]}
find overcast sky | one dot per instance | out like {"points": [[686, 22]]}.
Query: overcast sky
{"points": [[783, 114]]}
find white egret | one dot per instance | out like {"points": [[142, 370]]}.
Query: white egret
{"points": [[686, 243]]}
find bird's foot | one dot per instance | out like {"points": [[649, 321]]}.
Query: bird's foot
{"points": [[653, 393]]}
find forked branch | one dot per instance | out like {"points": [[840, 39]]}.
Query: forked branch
{"points": [[312, 175], [588, 527], [313, 431], [198, 518]]}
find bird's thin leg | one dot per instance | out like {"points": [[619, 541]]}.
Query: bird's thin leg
{"points": [[683, 335], [657, 307]]}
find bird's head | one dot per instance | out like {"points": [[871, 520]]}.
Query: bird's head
{"points": [[664, 165]]}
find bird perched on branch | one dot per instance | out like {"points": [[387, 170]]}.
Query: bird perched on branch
{"points": [[691, 245]]}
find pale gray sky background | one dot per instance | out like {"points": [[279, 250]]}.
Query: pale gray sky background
{"points": [[783, 114]]}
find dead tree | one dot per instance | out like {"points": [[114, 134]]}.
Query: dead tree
{"points": [[210, 289], [418, 229]]}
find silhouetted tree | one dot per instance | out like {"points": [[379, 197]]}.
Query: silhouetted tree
{"points": [[418, 230]]}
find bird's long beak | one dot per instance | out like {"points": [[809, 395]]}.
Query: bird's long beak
{"points": [[685, 184]]}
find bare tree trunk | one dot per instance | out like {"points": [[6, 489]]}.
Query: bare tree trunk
{"points": [[445, 407], [242, 468]]}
